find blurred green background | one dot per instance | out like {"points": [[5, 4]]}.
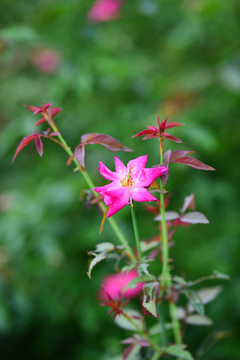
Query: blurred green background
{"points": [[165, 57]]}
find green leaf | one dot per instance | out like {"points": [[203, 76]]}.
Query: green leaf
{"points": [[104, 246], [177, 351], [133, 283], [195, 301], [94, 261], [221, 275], [179, 280], [209, 294], [198, 320], [149, 298], [142, 268], [123, 323]]}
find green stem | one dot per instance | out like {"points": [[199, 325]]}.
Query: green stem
{"points": [[156, 355], [166, 276], [136, 233], [91, 186], [144, 334], [162, 325]]}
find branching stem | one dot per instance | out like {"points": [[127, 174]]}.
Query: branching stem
{"points": [[91, 186]]}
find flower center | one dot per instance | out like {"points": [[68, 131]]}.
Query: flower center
{"points": [[127, 181]]}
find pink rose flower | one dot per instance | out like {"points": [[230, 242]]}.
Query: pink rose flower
{"points": [[46, 60], [128, 182], [104, 10], [114, 286]]}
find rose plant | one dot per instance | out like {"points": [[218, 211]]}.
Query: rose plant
{"points": [[158, 293]]}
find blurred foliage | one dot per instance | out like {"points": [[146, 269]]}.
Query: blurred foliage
{"points": [[166, 57]]}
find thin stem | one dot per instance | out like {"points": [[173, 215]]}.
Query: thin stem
{"points": [[91, 186], [162, 325], [156, 355], [136, 233], [166, 277], [155, 346]]}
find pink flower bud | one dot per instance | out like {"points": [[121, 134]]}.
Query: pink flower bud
{"points": [[114, 286]]}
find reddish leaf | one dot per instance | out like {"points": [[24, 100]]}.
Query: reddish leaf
{"points": [[55, 110], [172, 124], [171, 137], [143, 132], [25, 141], [31, 108], [40, 121], [179, 153], [128, 351], [79, 154], [103, 220], [189, 203], [39, 144], [167, 157], [162, 125], [108, 141], [196, 164], [70, 159]]}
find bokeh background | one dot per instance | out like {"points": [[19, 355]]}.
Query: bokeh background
{"points": [[158, 57]]}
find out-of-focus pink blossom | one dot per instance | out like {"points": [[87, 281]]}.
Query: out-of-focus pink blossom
{"points": [[128, 182], [45, 60], [104, 10], [114, 286]]}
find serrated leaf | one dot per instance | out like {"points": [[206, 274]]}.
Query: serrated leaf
{"points": [[194, 217], [95, 261], [123, 323], [177, 351], [149, 298], [195, 301], [106, 140], [143, 268], [194, 163], [169, 215], [198, 320]]}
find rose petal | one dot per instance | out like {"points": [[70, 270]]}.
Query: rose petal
{"points": [[138, 163], [141, 194], [120, 167], [118, 203], [106, 173], [150, 175]]}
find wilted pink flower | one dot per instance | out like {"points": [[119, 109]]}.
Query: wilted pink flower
{"points": [[45, 60], [114, 286], [128, 182], [104, 10]]}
